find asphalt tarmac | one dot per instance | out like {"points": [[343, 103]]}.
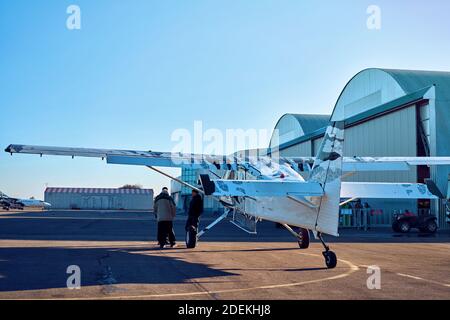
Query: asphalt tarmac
{"points": [[118, 258]]}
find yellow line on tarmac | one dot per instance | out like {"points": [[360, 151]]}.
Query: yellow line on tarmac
{"points": [[352, 268], [422, 279]]}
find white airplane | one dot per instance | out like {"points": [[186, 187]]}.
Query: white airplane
{"points": [[262, 188], [15, 203]]}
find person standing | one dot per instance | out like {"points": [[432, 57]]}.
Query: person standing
{"points": [[358, 212], [367, 214], [165, 211], [195, 210]]}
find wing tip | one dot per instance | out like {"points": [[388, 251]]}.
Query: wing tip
{"points": [[9, 148]]}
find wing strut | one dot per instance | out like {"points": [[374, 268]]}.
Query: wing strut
{"points": [[220, 218]]}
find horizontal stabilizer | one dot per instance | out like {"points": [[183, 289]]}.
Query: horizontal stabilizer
{"points": [[376, 190], [374, 166], [259, 188]]}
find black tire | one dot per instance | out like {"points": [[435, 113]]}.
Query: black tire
{"points": [[303, 241], [404, 226], [431, 226], [395, 226], [191, 238], [330, 259]]}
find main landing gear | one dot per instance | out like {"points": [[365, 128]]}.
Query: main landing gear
{"points": [[301, 234], [303, 238], [330, 256], [192, 233]]}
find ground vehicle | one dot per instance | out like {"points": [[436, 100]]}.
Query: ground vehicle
{"points": [[405, 222]]}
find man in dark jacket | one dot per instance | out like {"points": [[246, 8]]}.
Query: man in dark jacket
{"points": [[165, 211], [195, 210]]}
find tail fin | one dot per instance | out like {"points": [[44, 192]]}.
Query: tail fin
{"points": [[327, 170]]}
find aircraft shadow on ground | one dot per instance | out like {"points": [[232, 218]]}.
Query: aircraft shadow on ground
{"points": [[85, 226], [45, 268]]}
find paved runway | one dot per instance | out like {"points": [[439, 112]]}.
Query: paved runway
{"points": [[118, 258]]}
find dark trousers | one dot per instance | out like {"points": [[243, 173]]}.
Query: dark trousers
{"points": [[192, 221], [165, 230]]}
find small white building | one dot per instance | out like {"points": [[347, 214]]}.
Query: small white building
{"points": [[99, 198]]}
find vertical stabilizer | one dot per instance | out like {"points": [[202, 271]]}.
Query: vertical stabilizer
{"points": [[327, 170]]}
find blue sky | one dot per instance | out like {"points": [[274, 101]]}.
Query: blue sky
{"points": [[138, 70]]}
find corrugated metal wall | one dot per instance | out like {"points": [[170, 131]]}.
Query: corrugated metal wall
{"points": [[85, 201], [388, 136], [391, 135], [299, 150], [316, 145]]}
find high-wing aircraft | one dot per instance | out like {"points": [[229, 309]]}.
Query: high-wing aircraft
{"points": [[263, 188], [8, 203]]}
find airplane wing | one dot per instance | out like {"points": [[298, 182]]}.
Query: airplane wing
{"points": [[263, 167], [259, 188], [132, 157], [381, 190], [257, 166]]}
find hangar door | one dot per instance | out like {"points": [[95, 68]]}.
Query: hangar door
{"points": [[96, 202], [389, 135]]}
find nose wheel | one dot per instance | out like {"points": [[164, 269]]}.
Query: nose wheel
{"points": [[330, 256]]}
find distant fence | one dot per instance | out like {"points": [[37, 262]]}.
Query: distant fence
{"points": [[366, 218]]}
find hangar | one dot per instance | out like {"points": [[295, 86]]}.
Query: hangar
{"points": [[99, 198], [387, 113]]}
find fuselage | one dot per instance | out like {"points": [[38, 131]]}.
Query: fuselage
{"points": [[294, 210]]}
